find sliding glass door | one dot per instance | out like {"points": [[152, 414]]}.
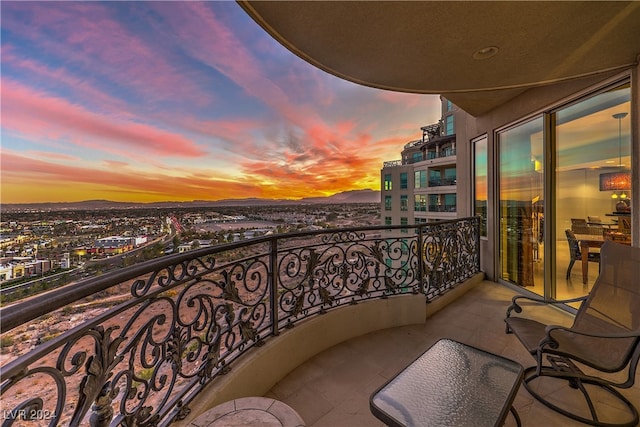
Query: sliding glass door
{"points": [[521, 210], [592, 184], [589, 184]]}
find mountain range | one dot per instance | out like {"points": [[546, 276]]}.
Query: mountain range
{"points": [[353, 196]]}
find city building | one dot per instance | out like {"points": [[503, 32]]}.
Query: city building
{"points": [[19, 267], [112, 245], [421, 186]]}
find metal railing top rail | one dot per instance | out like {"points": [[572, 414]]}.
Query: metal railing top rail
{"points": [[18, 313], [392, 163], [23, 311], [181, 320]]}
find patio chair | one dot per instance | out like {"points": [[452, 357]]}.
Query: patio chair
{"points": [[604, 341], [575, 253]]}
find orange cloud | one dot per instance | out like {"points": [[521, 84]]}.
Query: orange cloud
{"points": [[22, 177]]}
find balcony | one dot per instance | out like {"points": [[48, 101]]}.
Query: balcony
{"points": [[442, 182], [438, 155], [160, 341], [196, 329], [442, 208], [333, 388]]}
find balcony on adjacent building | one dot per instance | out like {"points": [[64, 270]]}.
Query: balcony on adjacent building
{"points": [[442, 208], [440, 182], [432, 154]]}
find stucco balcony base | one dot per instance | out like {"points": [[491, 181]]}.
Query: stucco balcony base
{"points": [[260, 369]]}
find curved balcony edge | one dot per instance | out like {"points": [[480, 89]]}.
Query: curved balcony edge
{"points": [[260, 370], [138, 346]]}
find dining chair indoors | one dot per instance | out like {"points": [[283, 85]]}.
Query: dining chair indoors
{"points": [[598, 354], [575, 254]]}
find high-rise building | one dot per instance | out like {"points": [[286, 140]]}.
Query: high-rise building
{"points": [[421, 186]]}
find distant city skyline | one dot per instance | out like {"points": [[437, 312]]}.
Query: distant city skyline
{"points": [[153, 101]]}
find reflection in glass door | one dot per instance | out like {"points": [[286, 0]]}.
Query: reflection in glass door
{"points": [[521, 205], [592, 184]]}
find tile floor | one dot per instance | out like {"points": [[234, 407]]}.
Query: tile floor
{"points": [[333, 388]]}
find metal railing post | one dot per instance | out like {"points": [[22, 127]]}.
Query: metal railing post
{"points": [[420, 260], [477, 232], [273, 286]]}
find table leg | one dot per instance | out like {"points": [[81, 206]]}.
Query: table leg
{"points": [[584, 252]]}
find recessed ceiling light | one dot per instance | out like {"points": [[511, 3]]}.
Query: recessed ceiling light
{"points": [[485, 52]]}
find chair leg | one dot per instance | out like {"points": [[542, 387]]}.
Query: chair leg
{"points": [[578, 384], [570, 267]]}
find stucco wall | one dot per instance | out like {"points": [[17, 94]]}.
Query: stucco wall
{"points": [[255, 373]]}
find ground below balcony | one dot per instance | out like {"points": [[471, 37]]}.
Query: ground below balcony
{"points": [[332, 389]]}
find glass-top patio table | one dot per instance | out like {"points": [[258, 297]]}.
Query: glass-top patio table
{"points": [[451, 384]]}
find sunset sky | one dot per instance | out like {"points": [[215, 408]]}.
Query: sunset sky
{"points": [[154, 101]]}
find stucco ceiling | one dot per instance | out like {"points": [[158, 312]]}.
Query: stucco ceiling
{"points": [[449, 47]]}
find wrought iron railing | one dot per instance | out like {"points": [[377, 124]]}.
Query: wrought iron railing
{"points": [[429, 155], [443, 153], [392, 163], [442, 181], [165, 328], [442, 208]]}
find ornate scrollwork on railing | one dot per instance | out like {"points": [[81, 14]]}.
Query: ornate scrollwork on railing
{"points": [[182, 320], [166, 278], [450, 254], [342, 268]]}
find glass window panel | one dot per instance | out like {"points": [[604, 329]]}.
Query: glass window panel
{"points": [[449, 125], [404, 180], [387, 203], [387, 182], [521, 200], [592, 140], [481, 182], [420, 179]]}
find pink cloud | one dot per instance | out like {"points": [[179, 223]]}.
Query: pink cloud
{"points": [[104, 47], [52, 155], [212, 42], [238, 133], [79, 86], [40, 116], [115, 164]]}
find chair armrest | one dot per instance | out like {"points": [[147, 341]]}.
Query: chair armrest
{"points": [[549, 340], [518, 309]]}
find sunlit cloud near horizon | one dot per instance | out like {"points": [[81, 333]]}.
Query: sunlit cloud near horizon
{"points": [[177, 101]]}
